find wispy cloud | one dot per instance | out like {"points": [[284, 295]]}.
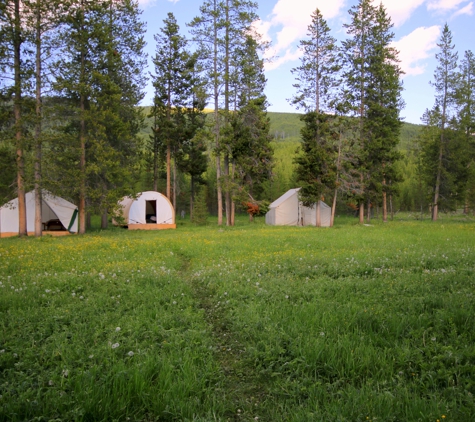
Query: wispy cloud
{"points": [[401, 10], [145, 3], [415, 47], [443, 5], [467, 10], [290, 19]]}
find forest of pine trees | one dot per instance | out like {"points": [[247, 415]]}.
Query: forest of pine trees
{"points": [[72, 78]]}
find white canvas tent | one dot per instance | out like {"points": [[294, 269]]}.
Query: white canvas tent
{"points": [[57, 215], [149, 211], [288, 210]]}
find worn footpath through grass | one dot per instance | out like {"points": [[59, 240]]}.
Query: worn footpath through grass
{"points": [[249, 323]]}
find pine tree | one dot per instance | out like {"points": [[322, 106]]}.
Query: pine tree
{"points": [[317, 79], [219, 31], [383, 106], [100, 82], [445, 77], [465, 98], [13, 36], [172, 89], [357, 54], [317, 74]]}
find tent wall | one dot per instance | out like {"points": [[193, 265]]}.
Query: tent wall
{"points": [[135, 211], [53, 207], [309, 215], [289, 211]]}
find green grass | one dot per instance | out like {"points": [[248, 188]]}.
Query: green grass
{"points": [[353, 323]]}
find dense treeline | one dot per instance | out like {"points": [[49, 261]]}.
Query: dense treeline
{"points": [[72, 77]]}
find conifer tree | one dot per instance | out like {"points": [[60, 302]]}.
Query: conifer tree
{"points": [[219, 31], [357, 52], [100, 81], [445, 78], [317, 78], [172, 89], [13, 35], [465, 98]]}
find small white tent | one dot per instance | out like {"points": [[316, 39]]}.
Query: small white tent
{"points": [[288, 210], [149, 211], [57, 215]]}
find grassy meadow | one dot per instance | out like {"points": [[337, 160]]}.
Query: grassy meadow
{"points": [[353, 323]]}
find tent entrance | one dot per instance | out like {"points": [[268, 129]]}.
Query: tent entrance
{"points": [[49, 219], [151, 212]]}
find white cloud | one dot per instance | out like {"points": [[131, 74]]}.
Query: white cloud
{"points": [[145, 3], [467, 10], [416, 47], [443, 5], [401, 10], [293, 17], [289, 56]]}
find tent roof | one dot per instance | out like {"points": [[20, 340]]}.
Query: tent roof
{"points": [[284, 198]]}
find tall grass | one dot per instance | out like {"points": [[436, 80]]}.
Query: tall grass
{"points": [[262, 323]]}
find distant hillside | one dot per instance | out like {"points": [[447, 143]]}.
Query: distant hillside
{"points": [[285, 127]]}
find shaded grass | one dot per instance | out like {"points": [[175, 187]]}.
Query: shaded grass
{"points": [[279, 323]]}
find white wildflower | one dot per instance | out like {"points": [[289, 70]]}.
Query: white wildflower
{"points": [[117, 329], [130, 353], [115, 345]]}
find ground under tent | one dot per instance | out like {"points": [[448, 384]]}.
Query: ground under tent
{"points": [[288, 210], [148, 211], [58, 216]]}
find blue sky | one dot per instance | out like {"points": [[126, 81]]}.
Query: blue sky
{"points": [[417, 28]]}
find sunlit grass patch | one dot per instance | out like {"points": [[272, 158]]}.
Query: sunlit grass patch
{"points": [[276, 323]]}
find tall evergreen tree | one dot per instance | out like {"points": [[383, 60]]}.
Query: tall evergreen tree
{"points": [[172, 88], [13, 35], [357, 52], [316, 82], [383, 107], [220, 30], [372, 75], [99, 76], [465, 98], [445, 78]]}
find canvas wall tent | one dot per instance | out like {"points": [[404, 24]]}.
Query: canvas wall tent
{"points": [[57, 215], [288, 210], [149, 211]]}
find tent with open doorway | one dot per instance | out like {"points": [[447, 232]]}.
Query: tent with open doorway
{"points": [[58, 216], [288, 210], [148, 211]]}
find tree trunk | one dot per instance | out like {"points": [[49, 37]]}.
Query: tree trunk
{"points": [[38, 152], [22, 227], [169, 155], [435, 205], [391, 207], [192, 196], [227, 193], [385, 205], [318, 221], [233, 205], [361, 212], [219, 192], [332, 218], [82, 141], [368, 211], [174, 183], [104, 220]]}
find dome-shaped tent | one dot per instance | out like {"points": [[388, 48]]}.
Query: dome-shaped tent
{"points": [[148, 211], [57, 215]]}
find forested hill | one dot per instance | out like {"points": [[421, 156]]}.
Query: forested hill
{"points": [[286, 127]]}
